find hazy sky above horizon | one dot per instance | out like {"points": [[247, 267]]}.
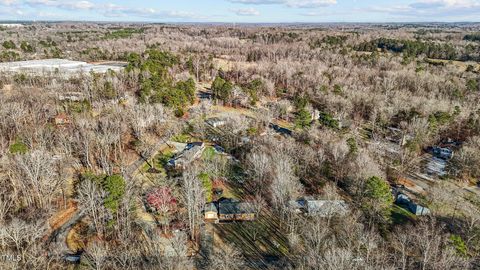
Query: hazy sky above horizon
{"points": [[243, 10]]}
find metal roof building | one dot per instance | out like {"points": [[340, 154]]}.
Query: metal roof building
{"points": [[63, 66]]}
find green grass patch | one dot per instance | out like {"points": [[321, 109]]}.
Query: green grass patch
{"points": [[162, 159], [207, 185], [159, 162], [457, 242], [209, 153], [262, 236], [18, 148], [182, 138], [400, 215], [78, 106]]}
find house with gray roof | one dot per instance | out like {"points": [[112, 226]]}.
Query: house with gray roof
{"points": [[404, 201], [231, 210], [320, 208], [191, 152]]}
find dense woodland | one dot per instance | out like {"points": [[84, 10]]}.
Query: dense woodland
{"points": [[339, 90]]}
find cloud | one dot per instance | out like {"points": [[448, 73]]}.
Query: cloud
{"points": [[112, 10], [324, 13], [70, 5], [311, 3], [289, 3], [246, 12], [444, 4], [432, 9], [8, 2], [107, 10], [258, 2]]}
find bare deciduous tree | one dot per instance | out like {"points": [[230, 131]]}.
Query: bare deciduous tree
{"points": [[194, 198]]}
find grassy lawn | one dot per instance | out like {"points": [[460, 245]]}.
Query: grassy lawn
{"points": [[258, 239], [284, 124], [159, 162], [209, 153], [207, 186], [182, 138]]}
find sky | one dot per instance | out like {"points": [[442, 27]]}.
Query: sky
{"points": [[242, 11]]}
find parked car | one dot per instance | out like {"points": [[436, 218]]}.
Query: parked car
{"points": [[440, 152]]}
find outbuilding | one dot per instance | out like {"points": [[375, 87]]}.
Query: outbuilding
{"points": [[211, 212]]}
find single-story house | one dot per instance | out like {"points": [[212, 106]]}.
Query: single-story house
{"points": [[71, 96], [194, 144], [326, 208], [229, 210], [191, 152], [406, 202], [216, 122], [320, 208]]}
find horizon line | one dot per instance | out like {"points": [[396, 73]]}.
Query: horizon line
{"points": [[232, 22]]}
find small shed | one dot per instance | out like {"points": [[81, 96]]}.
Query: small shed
{"points": [[211, 211]]}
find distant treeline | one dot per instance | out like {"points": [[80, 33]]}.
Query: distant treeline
{"points": [[328, 40], [472, 37], [415, 48], [123, 33]]}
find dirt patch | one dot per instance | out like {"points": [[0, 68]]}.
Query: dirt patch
{"points": [[7, 90], [74, 239], [462, 66], [63, 216], [410, 185], [284, 124]]}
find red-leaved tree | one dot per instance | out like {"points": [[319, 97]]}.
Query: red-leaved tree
{"points": [[162, 201]]}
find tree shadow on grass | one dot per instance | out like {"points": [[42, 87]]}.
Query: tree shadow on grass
{"points": [[260, 241]]}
